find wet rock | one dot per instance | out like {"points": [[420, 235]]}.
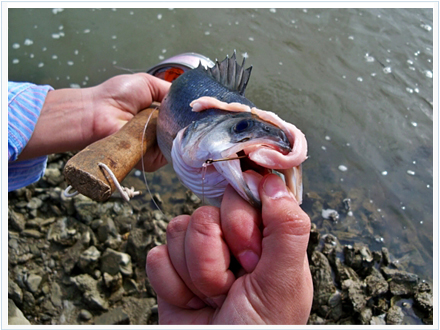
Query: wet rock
{"points": [[89, 259], [14, 292], [56, 294], [343, 272], [31, 233], [113, 317], [16, 221], [376, 283], [106, 230], [314, 319], [33, 282], [313, 239], [355, 294], [386, 256], [34, 203], [366, 316], [157, 199], [53, 176], [28, 302], [113, 262], [394, 316], [62, 232], [423, 301], [138, 309], [137, 244], [113, 283], [322, 282], [86, 209], [73, 253], [378, 320], [400, 282], [15, 315], [89, 288], [85, 315]]}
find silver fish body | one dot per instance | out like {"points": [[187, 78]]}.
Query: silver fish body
{"points": [[196, 143]]}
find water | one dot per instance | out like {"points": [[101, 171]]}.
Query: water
{"points": [[357, 82]]}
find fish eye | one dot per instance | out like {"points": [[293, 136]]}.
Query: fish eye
{"points": [[242, 125]]}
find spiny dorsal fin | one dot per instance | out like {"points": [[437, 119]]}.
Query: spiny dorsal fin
{"points": [[230, 74]]}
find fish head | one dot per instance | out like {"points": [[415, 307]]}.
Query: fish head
{"points": [[225, 142]]}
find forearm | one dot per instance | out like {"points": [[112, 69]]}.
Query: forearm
{"points": [[64, 124]]}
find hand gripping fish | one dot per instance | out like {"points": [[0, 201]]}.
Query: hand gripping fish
{"points": [[214, 136]]}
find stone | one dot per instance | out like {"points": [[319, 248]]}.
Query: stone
{"points": [[33, 282], [400, 281], [74, 252], [89, 259], [56, 294], [15, 315], [16, 221], [366, 316], [53, 176], [86, 209], [85, 315], [34, 203], [14, 292], [423, 300], [113, 317], [376, 284], [137, 244], [322, 282], [31, 233], [394, 316], [106, 230], [356, 294], [113, 283], [89, 288], [378, 320], [113, 262]]}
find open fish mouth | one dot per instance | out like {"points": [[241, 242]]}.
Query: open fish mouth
{"points": [[244, 174]]}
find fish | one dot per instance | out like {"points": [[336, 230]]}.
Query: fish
{"points": [[214, 136]]}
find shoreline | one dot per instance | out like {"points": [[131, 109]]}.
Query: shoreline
{"points": [[76, 261]]}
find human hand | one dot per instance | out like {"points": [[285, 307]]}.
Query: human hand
{"points": [[117, 100], [73, 118], [191, 274]]}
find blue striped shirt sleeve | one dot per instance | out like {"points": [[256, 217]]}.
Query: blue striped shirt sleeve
{"points": [[25, 101]]}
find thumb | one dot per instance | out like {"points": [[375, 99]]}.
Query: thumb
{"points": [[283, 268]]}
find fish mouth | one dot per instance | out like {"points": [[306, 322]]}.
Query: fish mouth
{"points": [[247, 174]]}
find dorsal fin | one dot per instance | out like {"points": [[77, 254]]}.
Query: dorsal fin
{"points": [[230, 74]]}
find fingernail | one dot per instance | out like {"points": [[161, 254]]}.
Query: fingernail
{"points": [[217, 301], [196, 303], [275, 188], [248, 260]]}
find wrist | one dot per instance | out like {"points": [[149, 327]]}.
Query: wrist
{"points": [[62, 126]]}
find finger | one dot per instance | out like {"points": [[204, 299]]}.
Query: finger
{"points": [[156, 88], [207, 255], [285, 223], [167, 283], [284, 250], [176, 233], [240, 224]]}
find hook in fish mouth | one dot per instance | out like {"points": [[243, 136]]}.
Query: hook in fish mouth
{"points": [[251, 174]]}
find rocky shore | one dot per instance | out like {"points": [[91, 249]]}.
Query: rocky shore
{"points": [[75, 261]]}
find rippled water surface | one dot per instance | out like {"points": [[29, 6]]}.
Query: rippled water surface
{"points": [[357, 82]]}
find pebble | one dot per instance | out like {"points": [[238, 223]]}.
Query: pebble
{"points": [[113, 262], [85, 315], [34, 203], [15, 315], [89, 259], [31, 233], [33, 282]]}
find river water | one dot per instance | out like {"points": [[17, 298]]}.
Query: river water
{"points": [[357, 82]]}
